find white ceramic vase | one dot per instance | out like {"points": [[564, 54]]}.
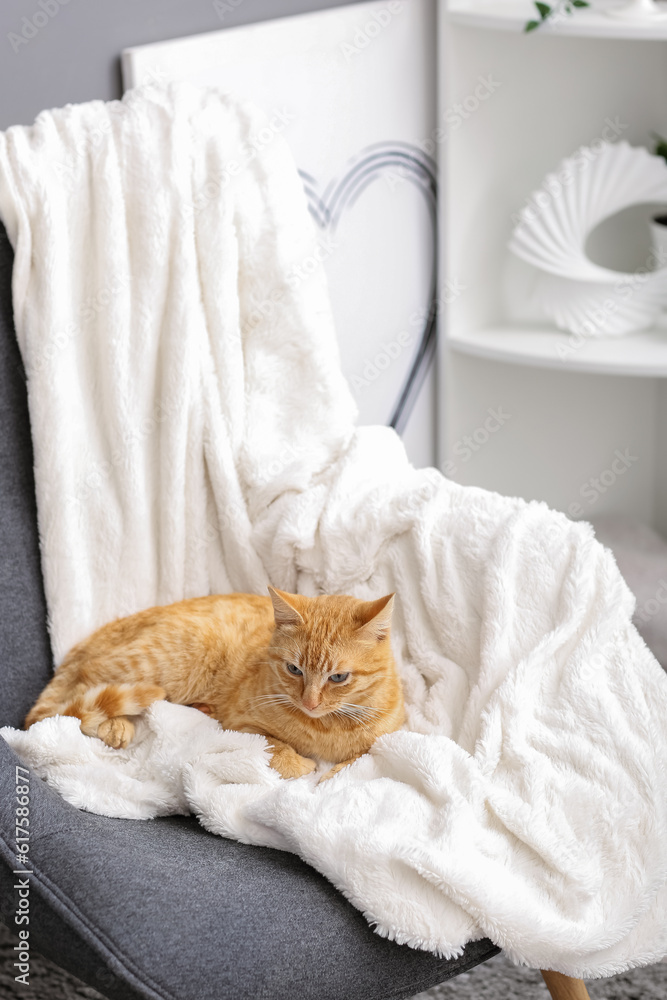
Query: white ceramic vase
{"points": [[659, 241], [554, 226]]}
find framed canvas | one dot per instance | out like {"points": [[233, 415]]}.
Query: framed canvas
{"points": [[353, 91]]}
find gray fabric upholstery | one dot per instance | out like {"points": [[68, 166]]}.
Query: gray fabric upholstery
{"points": [[160, 908], [187, 914], [24, 643]]}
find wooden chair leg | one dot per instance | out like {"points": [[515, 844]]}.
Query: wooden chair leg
{"points": [[565, 987]]}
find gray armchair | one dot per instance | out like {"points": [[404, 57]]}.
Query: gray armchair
{"points": [[159, 908]]}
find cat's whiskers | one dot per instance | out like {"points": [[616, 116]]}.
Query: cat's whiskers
{"points": [[342, 713], [363, 711], [273, 701], [274, 698]]}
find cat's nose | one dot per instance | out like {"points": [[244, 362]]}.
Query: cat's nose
{"points": [[310, 700]]}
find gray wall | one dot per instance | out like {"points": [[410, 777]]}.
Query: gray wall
{"points": [[73, 53]]}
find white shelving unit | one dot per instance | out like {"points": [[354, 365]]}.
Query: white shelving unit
{"points": [[642, 354], [512, 106], [511, 15]]}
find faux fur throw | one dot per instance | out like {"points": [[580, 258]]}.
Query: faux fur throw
{"points": [[193, 433]]}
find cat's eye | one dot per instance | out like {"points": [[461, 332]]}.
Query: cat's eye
{"points": [[293, 669], [339, 678]]}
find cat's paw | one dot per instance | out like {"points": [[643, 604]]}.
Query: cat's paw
{"points": [[292, 765], [117, 732]]}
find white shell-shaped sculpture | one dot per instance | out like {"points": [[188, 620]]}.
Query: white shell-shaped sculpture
{"points": [[554, 226]]}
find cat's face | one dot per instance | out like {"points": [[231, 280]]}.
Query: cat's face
{"points": [[329, 654]]}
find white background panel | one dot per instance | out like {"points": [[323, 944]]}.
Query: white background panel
{"points": [[350, 79]]}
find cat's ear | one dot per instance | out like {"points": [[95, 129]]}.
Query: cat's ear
{"points": [[284, 611], [376, 619]]}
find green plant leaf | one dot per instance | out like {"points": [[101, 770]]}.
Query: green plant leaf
{"points": [[580, 3], [543, 8], [660, 148], [531, 25]]}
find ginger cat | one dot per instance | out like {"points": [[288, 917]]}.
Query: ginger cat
{"points": [[315, 675]]}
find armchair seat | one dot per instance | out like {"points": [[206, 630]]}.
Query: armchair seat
{"points": [[165, 909]]}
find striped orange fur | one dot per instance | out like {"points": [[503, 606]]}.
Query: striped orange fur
{"points": [[315, 675]]}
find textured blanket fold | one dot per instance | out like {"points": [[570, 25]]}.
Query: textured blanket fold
{"points": [[193, 433]]}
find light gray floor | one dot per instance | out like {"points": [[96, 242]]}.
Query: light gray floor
{"points": [[494, 980]]}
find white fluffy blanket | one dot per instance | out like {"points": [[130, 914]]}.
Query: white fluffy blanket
{"points": [[193, 433]]}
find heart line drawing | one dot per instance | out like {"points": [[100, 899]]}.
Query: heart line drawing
{"points": [[327, 208]]}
